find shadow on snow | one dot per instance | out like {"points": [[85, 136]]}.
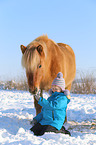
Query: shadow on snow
{"points": [[11, 121]]}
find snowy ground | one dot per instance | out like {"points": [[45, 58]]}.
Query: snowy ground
{"points": [[17, 109]]}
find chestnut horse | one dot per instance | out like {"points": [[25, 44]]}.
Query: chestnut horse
{"points": [[43, 59]]}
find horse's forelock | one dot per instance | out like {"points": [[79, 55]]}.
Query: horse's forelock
{"points": [[30, 59]]}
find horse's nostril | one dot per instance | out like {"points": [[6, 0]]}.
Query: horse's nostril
{"points": [[33, 91]]}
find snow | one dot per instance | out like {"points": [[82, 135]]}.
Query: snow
{"points": [[17, 110]]}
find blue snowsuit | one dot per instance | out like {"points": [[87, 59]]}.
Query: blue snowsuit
{"points": [[53, 110]]}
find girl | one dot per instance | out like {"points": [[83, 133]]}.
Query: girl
{"points": [[53, 111]]}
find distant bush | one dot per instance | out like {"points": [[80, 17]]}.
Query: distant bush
{"points": [[85, 85], [14, 85], [22, 85]]}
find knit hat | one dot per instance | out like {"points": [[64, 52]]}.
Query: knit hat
{"points": [[59, 81]]}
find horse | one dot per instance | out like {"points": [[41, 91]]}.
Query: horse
{"points": [[42, 59]]}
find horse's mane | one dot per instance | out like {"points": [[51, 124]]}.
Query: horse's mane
{"points": [[43, 38], [30, 59]]}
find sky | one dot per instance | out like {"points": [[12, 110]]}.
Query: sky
{"points": [[68, 21]]}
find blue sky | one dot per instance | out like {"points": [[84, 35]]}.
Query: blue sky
{"points": [[68, 21]]}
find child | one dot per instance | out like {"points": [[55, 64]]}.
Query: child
{"points": [[53, 111]]}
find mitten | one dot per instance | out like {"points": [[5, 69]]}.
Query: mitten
{"points": [[50, 92], [66, 92], [37, 96]]}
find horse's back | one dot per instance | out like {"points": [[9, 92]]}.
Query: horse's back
{"points": [[66, 47], [69, 64]]}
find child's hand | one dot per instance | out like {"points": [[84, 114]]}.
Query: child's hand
{"points": [[37, 96], [67, 93]]}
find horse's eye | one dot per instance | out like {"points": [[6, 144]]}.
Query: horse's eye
{"points": [[40, 66]]}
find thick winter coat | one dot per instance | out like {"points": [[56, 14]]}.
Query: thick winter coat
{"points": [[53, 110], [43, 59]]}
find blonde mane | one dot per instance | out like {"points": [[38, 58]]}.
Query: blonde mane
{"points": [[43, 38], [30, 59]]}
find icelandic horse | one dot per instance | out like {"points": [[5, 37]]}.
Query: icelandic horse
{"points": [[43, 59]]}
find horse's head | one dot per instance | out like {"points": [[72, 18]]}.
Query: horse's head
{"points": [[33, 61]]}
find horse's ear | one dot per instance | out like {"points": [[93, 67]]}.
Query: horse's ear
{"points": [[23, 48], [40, 49]]}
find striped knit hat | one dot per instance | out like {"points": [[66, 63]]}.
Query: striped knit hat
{"points": [[59, 81]]}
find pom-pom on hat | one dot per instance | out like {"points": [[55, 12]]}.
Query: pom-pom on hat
{"points": [[59, 81]]}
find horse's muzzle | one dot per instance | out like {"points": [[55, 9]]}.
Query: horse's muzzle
{"points": [[33, 91]]}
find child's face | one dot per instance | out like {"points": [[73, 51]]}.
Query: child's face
{"points": [[55, 88]]}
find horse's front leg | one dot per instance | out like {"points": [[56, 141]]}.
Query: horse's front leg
{"points": [[37, 106]]}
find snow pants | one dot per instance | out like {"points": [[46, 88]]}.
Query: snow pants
{"points": [[39, 129]]}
